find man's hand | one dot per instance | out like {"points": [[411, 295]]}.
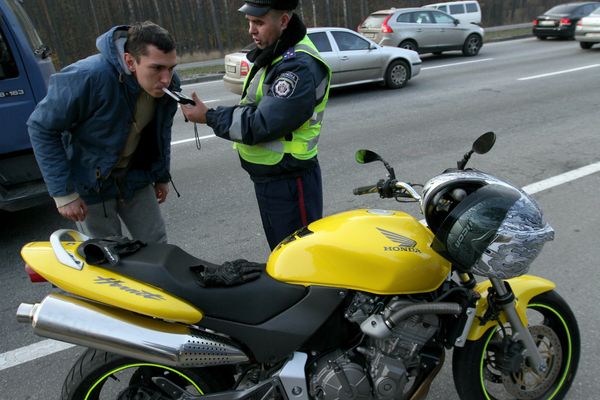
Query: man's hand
{"points": [[195, 113], [75, 211], [162, 190]]}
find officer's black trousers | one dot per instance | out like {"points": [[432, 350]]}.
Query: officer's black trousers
{"points": [[289, 204]]}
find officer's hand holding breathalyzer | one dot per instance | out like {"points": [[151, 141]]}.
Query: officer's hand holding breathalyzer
{"points": [[197, 112]]}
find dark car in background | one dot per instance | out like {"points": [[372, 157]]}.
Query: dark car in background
{"points": [[560, 21]]}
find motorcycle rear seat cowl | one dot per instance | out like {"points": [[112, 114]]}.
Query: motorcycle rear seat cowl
{"points": [[170, 268]]}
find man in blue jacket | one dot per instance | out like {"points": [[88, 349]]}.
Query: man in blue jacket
{"points": [[102, 134], [277, 124]]}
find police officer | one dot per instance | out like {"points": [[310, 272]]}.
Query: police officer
{"points": [[276, 126]]}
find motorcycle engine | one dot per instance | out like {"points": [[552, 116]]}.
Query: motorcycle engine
{"points": [[389, 361]]}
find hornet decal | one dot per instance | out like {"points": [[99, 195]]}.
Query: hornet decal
{"points": [[119, 284]]}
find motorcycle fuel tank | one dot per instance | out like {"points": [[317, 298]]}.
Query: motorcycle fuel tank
{"points": [[376, 251]]}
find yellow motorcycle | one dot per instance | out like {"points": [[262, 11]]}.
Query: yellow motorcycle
{"points": [[358, 305]]}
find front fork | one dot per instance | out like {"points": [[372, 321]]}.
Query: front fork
{"points": [[504, 298]]}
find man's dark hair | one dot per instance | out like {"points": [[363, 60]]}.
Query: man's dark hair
{"points": [[142, 34]]}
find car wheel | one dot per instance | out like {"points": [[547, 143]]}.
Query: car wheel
{"points": [[586, 45], [397, 74], [437, 53], [542, 37], [472, 45], [409, 45]]}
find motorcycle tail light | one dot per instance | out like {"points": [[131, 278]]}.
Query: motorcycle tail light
{"points": [[244, 68], [34, 276], [565, 21], [385, 28]]}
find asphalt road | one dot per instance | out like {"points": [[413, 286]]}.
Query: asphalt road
{"points": [[541, 99]]}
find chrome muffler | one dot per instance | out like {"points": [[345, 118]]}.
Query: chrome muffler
{"points": [[98, 326]]}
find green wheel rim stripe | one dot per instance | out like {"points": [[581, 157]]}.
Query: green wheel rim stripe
{"points": [[569, 353], [121, 368]]}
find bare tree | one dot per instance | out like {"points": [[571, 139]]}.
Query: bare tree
{"points": [[131, 10], [215, 22], [328, 12], [94, 17], [159, 19]]}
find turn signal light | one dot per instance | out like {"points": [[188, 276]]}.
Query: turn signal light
{"points": [[34, 276], [385, 28], [565, 21]]}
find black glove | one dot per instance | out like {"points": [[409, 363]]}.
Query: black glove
{"points": [[109, 249], [231, 273]]}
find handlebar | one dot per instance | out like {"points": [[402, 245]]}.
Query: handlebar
{"points": [[365, 190], [390, 188]]}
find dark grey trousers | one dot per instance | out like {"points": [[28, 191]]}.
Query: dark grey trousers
{"points": [[140, 216]]}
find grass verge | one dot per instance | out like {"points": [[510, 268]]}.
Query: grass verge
{"points": [[507, 34]]}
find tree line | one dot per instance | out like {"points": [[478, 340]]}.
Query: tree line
{"points": [[210, 28]]}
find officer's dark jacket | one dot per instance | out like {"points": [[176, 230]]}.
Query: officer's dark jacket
{"points": [[276, 117]]}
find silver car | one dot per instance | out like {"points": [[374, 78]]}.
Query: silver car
{"points": [[423, 30], [352, 58], [587, 31]]}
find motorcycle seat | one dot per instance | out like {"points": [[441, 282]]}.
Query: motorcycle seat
{"points": [[172, 269]]}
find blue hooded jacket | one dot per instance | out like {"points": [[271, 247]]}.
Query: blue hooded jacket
{"points": [[80, 128]]}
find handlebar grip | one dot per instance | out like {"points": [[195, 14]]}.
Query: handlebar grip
{"points": [[365, 190]]}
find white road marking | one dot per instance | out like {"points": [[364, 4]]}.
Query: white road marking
{"points": [[28, 353], [191, 140], [47, 347], [566, 71], [562, 178], [458, 63]]}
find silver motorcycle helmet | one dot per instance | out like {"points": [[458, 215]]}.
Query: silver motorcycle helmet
{"points": [[484, 225]]}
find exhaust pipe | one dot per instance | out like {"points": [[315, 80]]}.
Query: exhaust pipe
{"points": [[132, 335]]}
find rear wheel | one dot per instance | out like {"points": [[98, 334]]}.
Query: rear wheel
{"points": [[100, 375], [472, 45], [491, 368], [397, 74], [586, 45], [409, 45]]}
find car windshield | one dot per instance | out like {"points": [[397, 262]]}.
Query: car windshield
{"points": [[374, 21], [562, 9], [596, 12]]}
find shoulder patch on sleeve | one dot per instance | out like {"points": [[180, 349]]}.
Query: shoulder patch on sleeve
{"points": [[285, 84]]}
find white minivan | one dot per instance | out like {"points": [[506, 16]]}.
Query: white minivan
{"points": [[464, 11]]}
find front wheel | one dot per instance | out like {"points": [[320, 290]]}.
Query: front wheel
{"points": [[493, 368], [100, 375], [586, 45], [472, 45], [397, 74]]}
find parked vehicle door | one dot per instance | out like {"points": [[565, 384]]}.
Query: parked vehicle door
{"points": [[427, 31], [450, 34], [357, 59], [16, 94], [323, 44]]}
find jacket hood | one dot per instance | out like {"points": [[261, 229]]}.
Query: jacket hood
{"points": [[111, 45]]}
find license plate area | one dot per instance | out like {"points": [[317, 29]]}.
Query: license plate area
{"points": [[230, 68]]}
